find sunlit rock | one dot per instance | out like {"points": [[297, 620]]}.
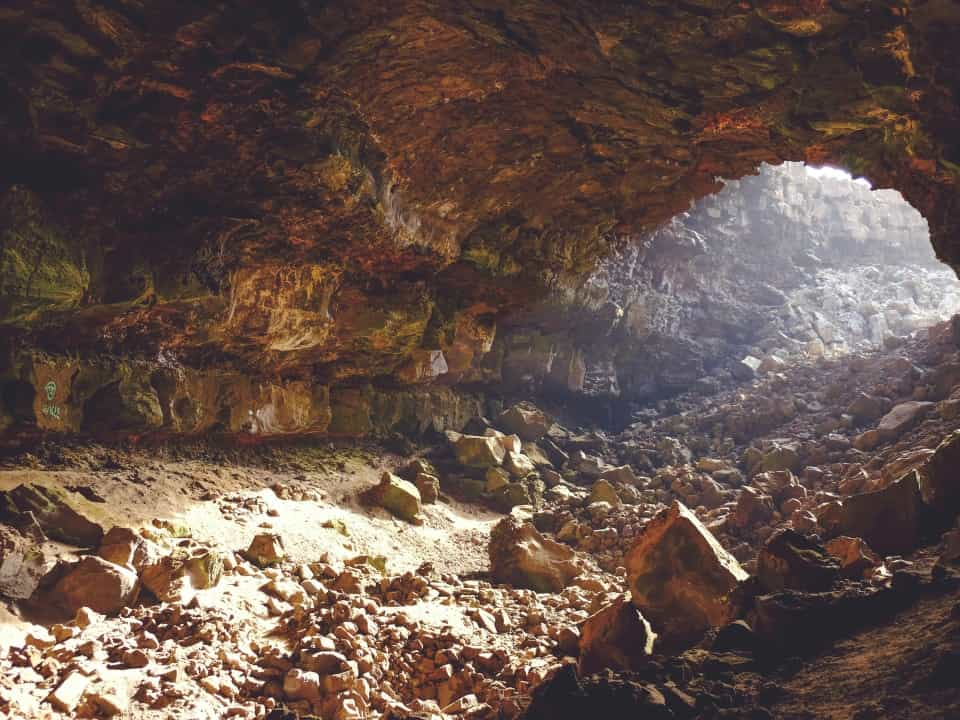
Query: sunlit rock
{"points": [[97, 584], [522, 557], [681, 578]]}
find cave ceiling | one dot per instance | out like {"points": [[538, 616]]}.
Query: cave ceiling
{"points": [[329, 188]]}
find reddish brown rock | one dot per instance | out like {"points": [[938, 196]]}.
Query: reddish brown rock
{"points": [[616, 638], [522, 557], [97, 584], [889, 519], [681, 578]]}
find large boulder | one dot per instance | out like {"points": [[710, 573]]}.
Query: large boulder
{"points": [[478, 451], [888, 519], [22, 564], [789, 560], [940, 478], [54, 511], [525, 420], [903, 417], [396, 495], [617, 637], [681, 578], [97, 584], [520, 556]]}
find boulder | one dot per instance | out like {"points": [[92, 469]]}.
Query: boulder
{"points": [[124, 546], [603, 491], [478, 451], [496, 478], [54, 510], [173, 578], [22, 564], [97, 584], [621, 474], [510, 443], [746, 369], [681, 578], [522, 557], [789, 560], [617, 637], [428, 487], [903, 417], [396, 495], [888, 519], [753, 508], [511, 495], [265, 549], [940, 478], [589, 465], [781, 457], [519, 465], [867, 408], [856, 558], [525, 420]]}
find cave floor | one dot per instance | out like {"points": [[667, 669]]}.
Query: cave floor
{"points": [[403, 619]]}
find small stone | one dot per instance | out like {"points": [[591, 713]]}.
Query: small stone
{"points": [[265, 550]]}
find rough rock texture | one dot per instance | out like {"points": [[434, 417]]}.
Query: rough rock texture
{"points": [[54, 512], [522, 557], [346, 192], [789, 561], [889, 519], [681, 578], [97, 584], [616, 638]]}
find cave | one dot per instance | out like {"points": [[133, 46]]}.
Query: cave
{"points": [[493, 360]]}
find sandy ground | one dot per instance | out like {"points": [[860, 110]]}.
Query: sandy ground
{"points": [[226, 505]]}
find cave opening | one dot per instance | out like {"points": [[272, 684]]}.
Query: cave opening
{"points": [[793, 265]]}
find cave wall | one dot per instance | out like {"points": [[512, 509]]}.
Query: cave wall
{"points": [[358, 195]]}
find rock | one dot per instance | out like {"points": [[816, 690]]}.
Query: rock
{"points": [[69, 692], [889, 519], [734, 636], [396, 495], [781, 457], [496, 478], [511, 495], [301, 685], [603, 491], [903, 417], [97, 584], [510, 443], [519, 465], [753, 508], [527, 421], [940, 478], [621, 474], [123, 546], [746, 369], [788, 560], [429, 488], [856, 559], [537, 456], [265, 549], [523, 558], [867, 408], [592, 467], [22, 564], [867, 441], [173, 578], [681, 578], [615, 638], [477, 451], [53, 510]]}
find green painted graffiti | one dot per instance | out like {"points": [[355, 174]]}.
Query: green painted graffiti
{"points": [[51, 411]]}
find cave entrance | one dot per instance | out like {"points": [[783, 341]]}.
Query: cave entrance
{"points": [[788, 266]]}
